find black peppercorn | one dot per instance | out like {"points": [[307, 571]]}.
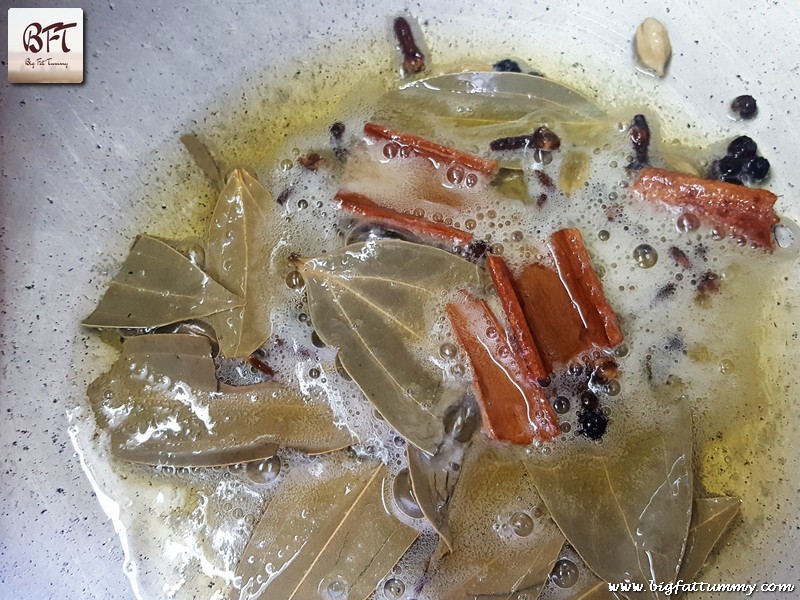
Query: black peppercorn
{"points": [[742, 147], [756, 168], [507, 65], [744, 106]]}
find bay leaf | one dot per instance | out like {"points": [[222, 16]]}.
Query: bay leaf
{"points": [[156, 286], [375, 302], [161, 404], [632, 493], [434, 478], [241, 254], [470, 109], [710, 519], [503, 539], [202, 157], [331, 538]]}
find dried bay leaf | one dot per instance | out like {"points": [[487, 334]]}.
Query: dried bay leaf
{"points": [[161, 404], [710, 519], [203, 158], [503, 539], [434, 478], [240, 254], [633, 493], [157, 286], [375, 302], [329, 538]]}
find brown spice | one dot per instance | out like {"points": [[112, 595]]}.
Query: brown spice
{"points": [[513, 406], [413, 58], [744, 212], [437, 233]]}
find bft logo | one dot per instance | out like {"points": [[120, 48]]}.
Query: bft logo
{"points": [[45, 45], [32, 36]]}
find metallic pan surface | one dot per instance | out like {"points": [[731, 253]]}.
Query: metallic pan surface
{"points": [[77, 162]]}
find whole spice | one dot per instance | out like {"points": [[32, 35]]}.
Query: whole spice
{"points": [[541, 139], [437, 233], [513, 406], [653, 48], [745, 212], [744, 107], [640, 140], [437, 152], [413, 58]]}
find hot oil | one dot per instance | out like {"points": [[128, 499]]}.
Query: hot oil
{"points": [[727, 351]]}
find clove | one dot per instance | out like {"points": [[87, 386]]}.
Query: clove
{"points": [[413, 58], [640, 140]]}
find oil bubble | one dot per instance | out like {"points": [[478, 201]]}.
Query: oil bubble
{"points": [[333, 588], [565, 573], [448, 350], [394, 589], [521, 524], [604, 235], [264, 471], [294, 280], [460, 422], [687, 222], [391, 150], [645, 256], [404, 495], [561, 405], [455, 175]]}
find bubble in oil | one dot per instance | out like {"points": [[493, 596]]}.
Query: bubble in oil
{"points": [[645, 256], [264, 471], [603, 235], [726, 366], [561, 405], [517, 236], [565, 573], [394, 589], [448, 350], [316, 341], [404, 495], [294, 280], [622, 350], [455, 174], [521, 524], [783, 236], [333, 588], [687, 222], [286, 164], [460, 422], [391, 150]]}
